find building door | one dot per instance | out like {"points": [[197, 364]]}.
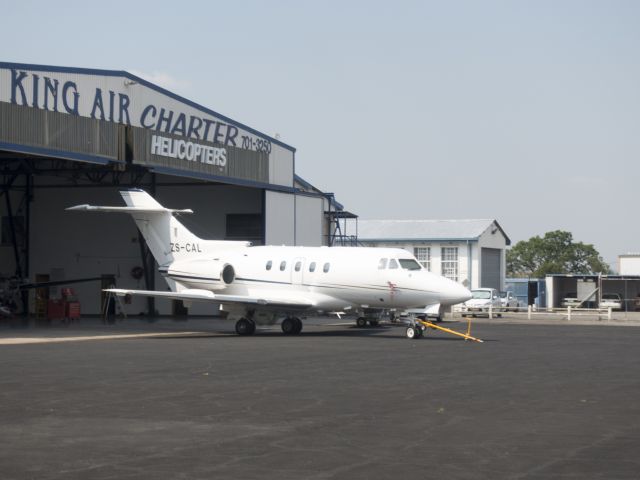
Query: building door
{"points": [[491, 268]]}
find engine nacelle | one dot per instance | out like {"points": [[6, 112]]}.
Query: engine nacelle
{"points": [[207, 275], [221, 270]]}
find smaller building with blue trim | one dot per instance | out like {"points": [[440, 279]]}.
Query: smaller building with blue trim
{"points": [[471, 252]]}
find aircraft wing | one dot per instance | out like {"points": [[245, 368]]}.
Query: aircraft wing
{"points": [[191, 295]]}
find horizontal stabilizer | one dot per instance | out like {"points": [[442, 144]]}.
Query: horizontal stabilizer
{"points": [[95, 208], [208, 296]]}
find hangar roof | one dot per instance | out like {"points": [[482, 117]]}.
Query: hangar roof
{"points": [[409, 230]]}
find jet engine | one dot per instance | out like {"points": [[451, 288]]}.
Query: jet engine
{"points": [[211, 275]]}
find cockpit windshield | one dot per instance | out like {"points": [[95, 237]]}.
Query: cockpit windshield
{"points": [[409, 264]]}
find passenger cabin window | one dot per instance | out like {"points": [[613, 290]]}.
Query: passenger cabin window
{"points": [[312, 267], [382, 264], [409, 264], [269, 265], [326, 267], [283, 265], [393, 263], [298, 266]]}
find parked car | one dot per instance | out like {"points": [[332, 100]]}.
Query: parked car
{"points": [[613, 300], [571, 300], [509, 301], [482, 299]]}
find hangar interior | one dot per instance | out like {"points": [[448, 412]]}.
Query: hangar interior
{"points": [[72, 136]]}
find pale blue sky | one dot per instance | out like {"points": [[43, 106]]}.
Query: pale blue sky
{"points": [[527, 112]]}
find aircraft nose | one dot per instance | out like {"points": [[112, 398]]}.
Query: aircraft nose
{"points": [[454, 293]]}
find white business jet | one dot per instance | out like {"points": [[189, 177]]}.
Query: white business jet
{"points": [[265, 284]]}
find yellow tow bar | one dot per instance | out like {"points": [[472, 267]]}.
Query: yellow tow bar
{"points": [[416, 331]]}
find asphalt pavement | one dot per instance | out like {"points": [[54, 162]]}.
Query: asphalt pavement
{"points": [[191, 400]]}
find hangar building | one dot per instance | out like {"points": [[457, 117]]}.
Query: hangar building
{"points": [[72, 136], [471, 252]]}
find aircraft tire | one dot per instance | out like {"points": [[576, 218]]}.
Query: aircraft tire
{"points": [[373, 323], [411, 332], [298, 326], [361, 322], [245, 327], [288, 326]]}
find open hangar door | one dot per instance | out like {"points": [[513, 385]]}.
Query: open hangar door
{"points": [[70, 245]]}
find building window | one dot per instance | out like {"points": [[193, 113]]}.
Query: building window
{"points": [[449, 261], [423, 255]]}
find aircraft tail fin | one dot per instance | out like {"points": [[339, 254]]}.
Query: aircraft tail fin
{"points": [[167, 238]]}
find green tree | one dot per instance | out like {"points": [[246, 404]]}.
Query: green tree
{"points": [[556, 252]]}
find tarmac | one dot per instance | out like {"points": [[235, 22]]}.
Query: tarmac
{"points": [[191, 400]]}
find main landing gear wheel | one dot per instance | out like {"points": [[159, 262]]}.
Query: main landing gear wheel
{"points": [[291, 326], [361, 322], [245, 327]]}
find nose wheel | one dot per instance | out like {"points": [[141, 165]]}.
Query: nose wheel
{"points": [[414, 332]]}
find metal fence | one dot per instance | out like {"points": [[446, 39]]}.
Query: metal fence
{"points": [[530, 312]]}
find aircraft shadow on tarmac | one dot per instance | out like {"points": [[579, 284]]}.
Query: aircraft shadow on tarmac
{"points": [[379, 332]]}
